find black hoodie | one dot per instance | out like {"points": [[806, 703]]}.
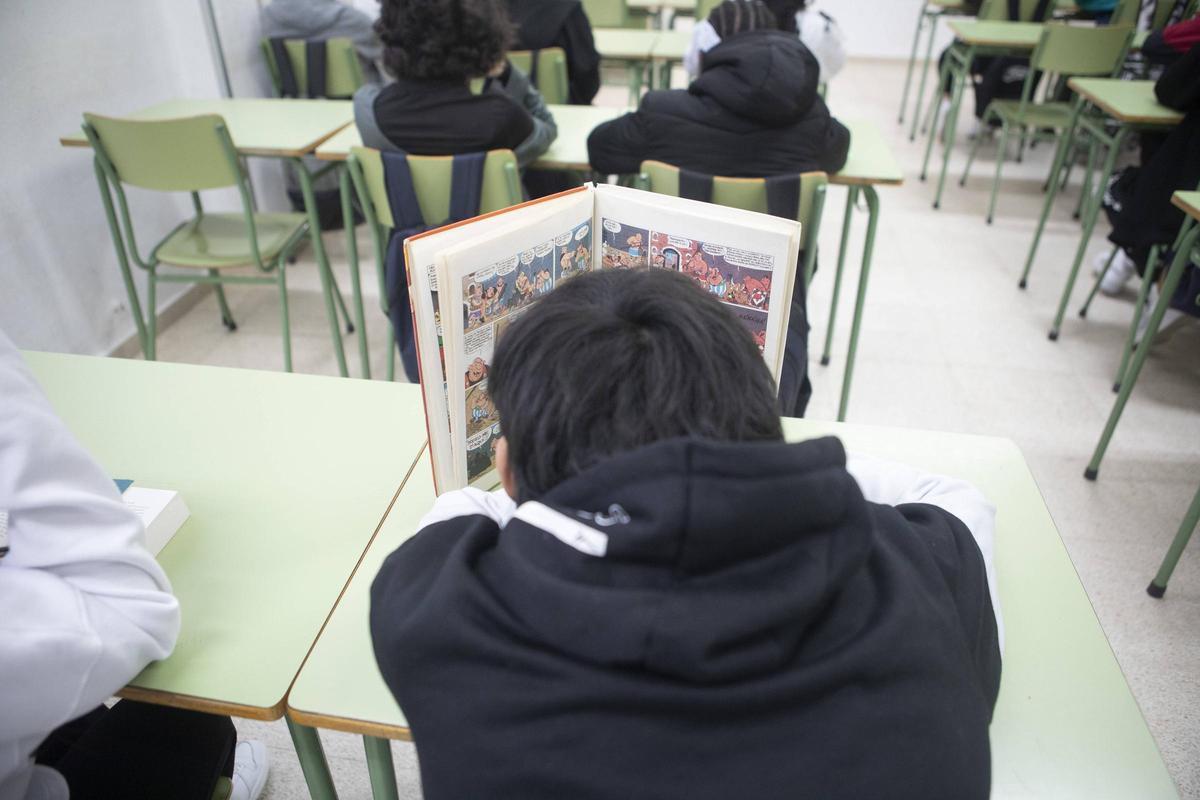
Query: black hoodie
{"points": [[753, 112], [743, 624], [560, 23]]}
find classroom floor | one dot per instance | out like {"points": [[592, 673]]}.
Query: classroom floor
{"points": [[948, 342]]}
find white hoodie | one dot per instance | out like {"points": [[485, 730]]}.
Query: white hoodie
{"points": [[83, 605]]}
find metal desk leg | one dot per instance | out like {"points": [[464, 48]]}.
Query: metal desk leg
{"points": [[380, 768], [1052, 188], [314, 230], [851, 197], [312, 761], [952, 122], [1092, 210], [912, 60], [1178, 267], [352, 257], [912, 134], [1158, 586], [860, 301]]}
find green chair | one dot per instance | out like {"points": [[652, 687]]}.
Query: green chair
{"points": [[614, 14], [189, 155], [343, 70], [431, 181], [750, 194], [1158, 586], [704, 8], [1064, 50], [551, 72]]}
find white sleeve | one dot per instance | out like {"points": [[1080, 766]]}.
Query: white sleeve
{"points": [[704, 38], [470, 502], [83, 605], [892, 483]]}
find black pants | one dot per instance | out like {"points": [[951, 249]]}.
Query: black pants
{"points": [[137, 750], [795, 389]]}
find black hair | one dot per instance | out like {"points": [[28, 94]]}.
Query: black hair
{"points": [[443, 39], [611, 361], [785, 13], [732, 17]]}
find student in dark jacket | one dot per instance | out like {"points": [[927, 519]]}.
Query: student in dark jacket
{"points": [[753, 112], [679, 604], [561, 23], [435, 48]]}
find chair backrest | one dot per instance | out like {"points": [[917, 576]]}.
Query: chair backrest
{"points": [[1073, 50], [704, 8], [997, 10], [606, 13], [551, 72], [343, 71], [749, 194], [431, 181], [1126, 12], [189, 154]]}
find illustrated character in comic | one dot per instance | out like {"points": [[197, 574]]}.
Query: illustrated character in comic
{"points": [[758, 291], [659, 261], [481, 409], [670, 258], [717, 283], [541, 281], [582, 257], [738, 293], [476, 372], [489, 303], [634, 243], [760, 339], [523, 287], [566, 264], [474, 305]]}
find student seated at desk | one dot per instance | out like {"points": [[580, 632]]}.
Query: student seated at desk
{"points": [[561, 23], [325, 19], [435, 48], [753, 112], [83, 608], [818, 31], [679, 604]]}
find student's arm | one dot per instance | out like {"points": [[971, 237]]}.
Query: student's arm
{"points": [[704, 38], [583, 61], [360, 29], [619, 147], [545, 131], [836, 146], [83, 605], [895, 484]]}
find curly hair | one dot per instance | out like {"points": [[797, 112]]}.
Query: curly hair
{"points": [[443, 39]]}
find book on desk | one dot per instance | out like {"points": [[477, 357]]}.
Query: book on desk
{"points": [[469, 281], [162, 512]]}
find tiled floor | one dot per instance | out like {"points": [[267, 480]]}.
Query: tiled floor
{"points": [[950, 343]]}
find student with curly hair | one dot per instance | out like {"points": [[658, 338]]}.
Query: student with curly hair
{"points": [[435, 48]]}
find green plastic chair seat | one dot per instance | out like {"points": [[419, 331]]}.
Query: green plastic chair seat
{"points": [[218, 241], [1038, 115]]}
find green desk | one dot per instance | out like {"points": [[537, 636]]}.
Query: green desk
{"points": [[622, 44], [1066, 725], [974, 39], [272, 128], [642, 50], [284, 498], [1133, 106], [869, 163]]}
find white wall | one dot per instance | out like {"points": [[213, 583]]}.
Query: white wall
{"points": [[879, 28], [60, 287]]}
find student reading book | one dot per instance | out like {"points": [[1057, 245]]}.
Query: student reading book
{"points": [[470, 282], [666, 600]]}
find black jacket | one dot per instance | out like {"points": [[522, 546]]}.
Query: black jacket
{"points": [[753, 629], [754, 111], [560, 23]]}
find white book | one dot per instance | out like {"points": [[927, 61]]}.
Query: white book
{"points": [[162, 511]]}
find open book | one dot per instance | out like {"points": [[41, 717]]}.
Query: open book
{"points": [[471, 280]]}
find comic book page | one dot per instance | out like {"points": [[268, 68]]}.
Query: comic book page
{"points": [[747, 260], [485, 285], [421, 254]]}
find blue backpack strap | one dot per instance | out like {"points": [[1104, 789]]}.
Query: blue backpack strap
{"points": [[1043, 8], [287, 77], [695, 186], [783, 196], [466, 185], [533, 67], [314, 55], [406, 214]]}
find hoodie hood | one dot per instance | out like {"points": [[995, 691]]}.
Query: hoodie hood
{"points": [[766, 76], [703, 561], [310, 17]]}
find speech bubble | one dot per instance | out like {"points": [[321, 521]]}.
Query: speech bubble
{"points": [[543, 250], [612, 226], [713, 249], [562, 240], [582, 233], [481, 438], [506, 266], [679, 241], [527, 257]]}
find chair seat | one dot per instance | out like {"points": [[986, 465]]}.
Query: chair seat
{"points": [[1041, 115], [219, 241]]}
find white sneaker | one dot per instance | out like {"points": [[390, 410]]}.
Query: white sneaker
{"points": [[1118, 274], [250, 767], [1170, 321]]}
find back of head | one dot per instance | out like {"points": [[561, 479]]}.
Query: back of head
{"points": [[741, 16], [449, 40], [612, 361]]}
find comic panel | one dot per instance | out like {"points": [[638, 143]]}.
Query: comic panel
{"points": [[624, 246], [488, 293], [535, 275], [481, 452], [755, 322], [573, 253], [481, 411], [739, 277]]}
